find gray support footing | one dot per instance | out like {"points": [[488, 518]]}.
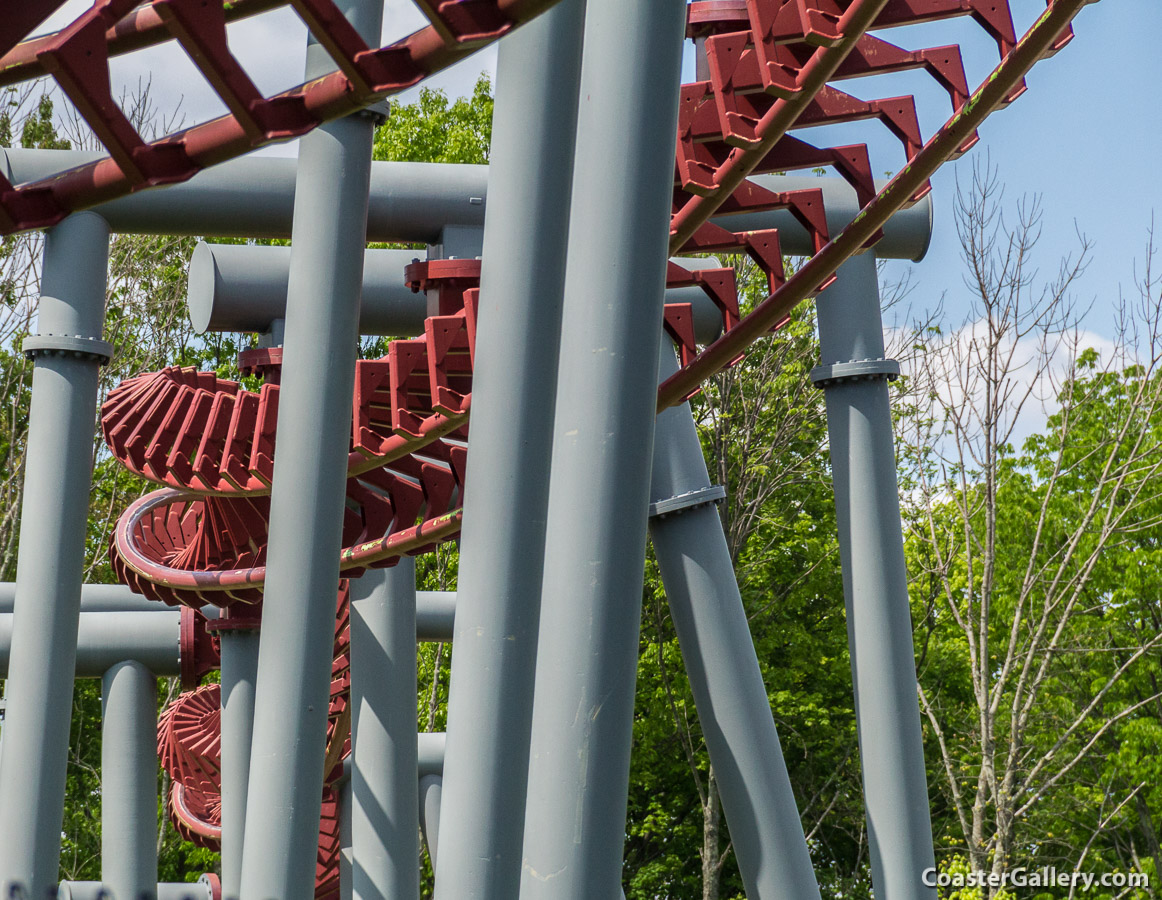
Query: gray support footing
{"points": [[733, 707], [239, 673], [384, 785], [50, 564], [129, 782], [513, 390], [875, 583], [307, 499], [602, 437]]}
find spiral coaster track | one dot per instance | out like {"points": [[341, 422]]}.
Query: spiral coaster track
{"points": [[769, 70]]}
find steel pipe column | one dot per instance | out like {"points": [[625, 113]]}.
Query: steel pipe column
{"points": [[58, 474], [239, 673], [718, 651], [602, 437], [384, 773], [129, 782], [431, 791], [854, 376], [513, 390], [306, 507]]}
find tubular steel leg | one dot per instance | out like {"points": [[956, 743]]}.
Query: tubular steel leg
{"points": [[129, 782], [345, 855], [431, 793], [306, 507], [239, 670], [57, 478], [513, 390], [384, 782], [602, 437], [854, 376], [718, 651]]}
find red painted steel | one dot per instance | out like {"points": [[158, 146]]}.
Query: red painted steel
{"points": [[78, 57]]}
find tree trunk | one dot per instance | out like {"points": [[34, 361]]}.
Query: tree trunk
{"points": [[711, 828]]}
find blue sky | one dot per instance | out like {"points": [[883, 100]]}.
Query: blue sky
{"points": [[1086, 137]]}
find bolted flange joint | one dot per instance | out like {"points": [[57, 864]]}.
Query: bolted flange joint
{"points": [[73, 345], [856, 370], [679, 503]]}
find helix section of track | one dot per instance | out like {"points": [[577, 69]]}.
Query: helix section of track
{"points": [[772, 67], [189, 746]]}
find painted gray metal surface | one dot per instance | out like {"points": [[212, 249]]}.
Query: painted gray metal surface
{"points": [[431, 790], [345, 856], [57, 478], [384, 783], [411, 202], [129, 782], [307, 498], [239, 651], [239, 287], [875, 588], [242, 287], [733, 708], [513, 390], [166, 890], [107, 638], [435, 615], [94, 598], [602, 437], [254, 197]]}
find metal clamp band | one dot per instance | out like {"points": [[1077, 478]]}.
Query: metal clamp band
{"points": [[856, 370], [378, 111], [716, 493], [67, 345]]}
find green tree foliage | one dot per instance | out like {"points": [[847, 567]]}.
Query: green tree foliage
{"points": [[432, 129]]}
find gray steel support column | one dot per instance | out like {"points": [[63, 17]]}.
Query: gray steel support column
{"points": [[345, 854], [129, 782], [306, 507], [431, 792], [513, 390], [854, 376], [50, 564], [602, 443], [720, 659], [239, 673], [384, 781]]}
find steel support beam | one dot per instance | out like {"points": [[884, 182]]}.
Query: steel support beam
{"points": [[384, 786], [94, 598], [306, 507], [239, 649], [732, 702], [50, 564], [513, 390], [241, 287], [129, 782], [602, 442], [255, 197], [854, 375], [414, 202], [107, 638]]}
